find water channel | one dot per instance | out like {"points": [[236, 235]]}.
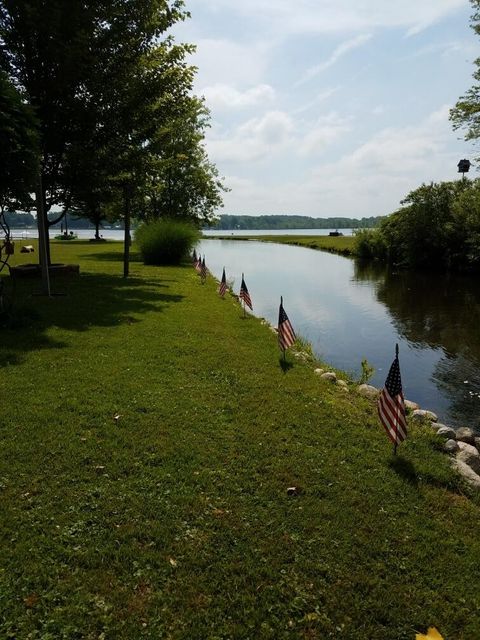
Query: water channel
{"points": [[348, 312]]}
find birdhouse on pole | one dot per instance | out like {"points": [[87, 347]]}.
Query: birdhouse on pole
{"points": [[463, 166]]}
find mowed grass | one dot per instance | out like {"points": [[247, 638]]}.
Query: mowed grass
{"points": [[343, 245], [174, 521]]}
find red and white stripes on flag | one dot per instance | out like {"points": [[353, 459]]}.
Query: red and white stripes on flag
{"points": [[244, 295], [391, 405], [286, 334], [222, 289]]}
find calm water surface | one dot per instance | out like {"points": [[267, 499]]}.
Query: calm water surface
{"points": [[349, 313], [117, 234]]}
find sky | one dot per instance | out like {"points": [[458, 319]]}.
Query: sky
{"points": [[330, 107]]}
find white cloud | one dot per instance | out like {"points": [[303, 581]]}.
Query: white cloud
{"points": [[379, 110], [319, 98], [224, 96], [323, 16], [273, 134], [322, 133], [254, 139], [340, 51], [223, 61]]}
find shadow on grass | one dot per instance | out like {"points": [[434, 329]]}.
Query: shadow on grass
{"points": [[405, 469], [92, 301], [285, 365], [112, 256]]}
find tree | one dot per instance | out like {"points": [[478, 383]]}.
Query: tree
{"points": [[466, 113], [106, 90], [18, 149], [79, 71], [181, 182]]}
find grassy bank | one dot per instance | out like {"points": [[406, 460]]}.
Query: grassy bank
{"points": [[173, 521], [343, 245]]}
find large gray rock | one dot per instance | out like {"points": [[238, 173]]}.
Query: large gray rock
{"points": [[329, 375], [438, 425], [447, 432], [319, 372], [423, 414], [466, 472], [469, 455], [411, 406], [451, 446], [464, 434], [367, 391]]}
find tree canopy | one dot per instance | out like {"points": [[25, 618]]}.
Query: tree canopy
{"points": [[18, 148], [438, 227], [466, 113]]}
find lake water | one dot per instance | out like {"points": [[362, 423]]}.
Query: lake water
{"points": [[349, 313], [274, 232], [82, 234], [117, 234]]}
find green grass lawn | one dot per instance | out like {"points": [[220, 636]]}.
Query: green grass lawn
{"points": [[174, 520], [343, 245]]}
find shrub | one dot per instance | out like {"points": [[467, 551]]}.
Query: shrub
{"points": [[166, 241], [369, 245]]}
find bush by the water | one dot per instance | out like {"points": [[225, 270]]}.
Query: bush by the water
{"points": [[438, 227], [166, 241]]}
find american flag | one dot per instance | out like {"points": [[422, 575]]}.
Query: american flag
{"points": [[203, 269], [286, 334], [222, 289], [198, 264], [391, 405], [244, 295]]}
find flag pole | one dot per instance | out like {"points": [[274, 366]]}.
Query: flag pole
{"points": [[396, 423], [243, 299], [284, 350]]}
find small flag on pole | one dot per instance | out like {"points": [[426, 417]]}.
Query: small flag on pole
{"points": [[222, 289], [198, 264], [286, 334], [203, 270], [244, 295], [391, 405]]}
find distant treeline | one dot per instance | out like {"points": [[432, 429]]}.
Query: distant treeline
{"points": [[26, 220], [228, 222], [20, 219]]}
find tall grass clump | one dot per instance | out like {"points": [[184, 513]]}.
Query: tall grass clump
{"points": [[166, 241]]}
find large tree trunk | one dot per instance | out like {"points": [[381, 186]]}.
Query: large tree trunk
{"points": [[97, 228], [43, 244]]}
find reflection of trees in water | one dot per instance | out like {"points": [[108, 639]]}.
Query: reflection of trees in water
{"points": [[441, 312]]}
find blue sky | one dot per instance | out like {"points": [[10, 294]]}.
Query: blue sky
{"points": [[330, 107]]}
